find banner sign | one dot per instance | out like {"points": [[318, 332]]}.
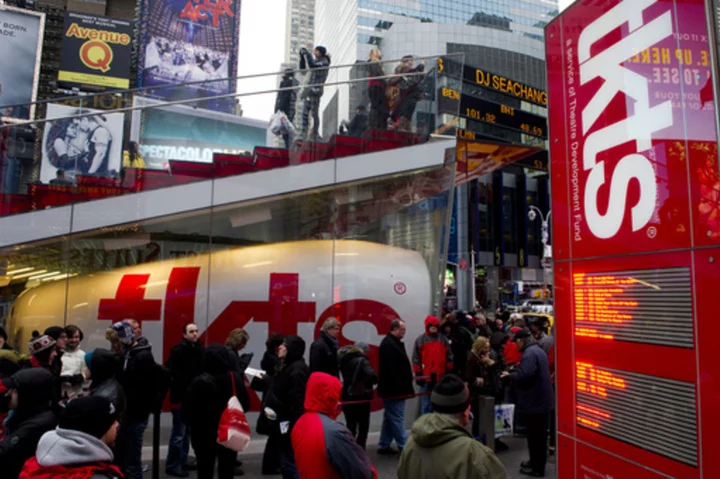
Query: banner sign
{"points": [[21, 34], [96, 52], [190, 41], [89, 145]]}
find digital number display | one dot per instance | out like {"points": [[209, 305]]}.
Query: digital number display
{"points": [[493, 113], [646, 411], [648, 306]]}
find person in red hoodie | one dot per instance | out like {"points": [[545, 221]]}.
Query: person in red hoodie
{"points": [[323, 447], [432, 357]]}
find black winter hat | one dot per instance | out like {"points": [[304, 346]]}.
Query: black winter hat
{"points": [[54, 332], [450, 395], [92, 415], [321, 49], [522, 334]]}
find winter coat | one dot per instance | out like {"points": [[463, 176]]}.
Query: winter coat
{"points": [[65, 453], [323, 447], [375, 69], [324, 355], [440, 448], [138, 379], [240, 362], [358, 125], [72, 374], [461, 344], [104, 368], [208, 394], [31, 420], [475, 369], [269, 362], [358, 376], [286, 395], [545, 342], [285, 100], [395, 373], [318, 74], [532, 381], [185, 364], [432, 353]]}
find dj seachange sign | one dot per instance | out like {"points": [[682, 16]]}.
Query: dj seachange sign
{"points": [[96, 52]]}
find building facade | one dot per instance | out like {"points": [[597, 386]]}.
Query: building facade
{"points": [[299, 29]]}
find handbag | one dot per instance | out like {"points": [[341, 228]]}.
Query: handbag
{"points": [[233, 429]]}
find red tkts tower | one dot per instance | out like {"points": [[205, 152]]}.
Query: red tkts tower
{"points": [[636, 233]]}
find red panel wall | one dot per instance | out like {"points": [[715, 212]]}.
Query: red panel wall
{"points": [[635, 187]]}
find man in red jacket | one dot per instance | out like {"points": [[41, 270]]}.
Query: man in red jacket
{"points": [[323, 447], [432, 357]]}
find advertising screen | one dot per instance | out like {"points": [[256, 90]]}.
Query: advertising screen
{"points": [[190, 41], [636, 238], [96, 52], [21, 32], [182, 133]]}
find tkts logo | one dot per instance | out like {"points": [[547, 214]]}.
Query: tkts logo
{"points": [[198, 10], [96, 52], [637, 127]]}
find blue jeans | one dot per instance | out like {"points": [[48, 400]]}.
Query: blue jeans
{"points": [[393, 425], [179, 444], [425, 403], [288, 468], [134, 432]]}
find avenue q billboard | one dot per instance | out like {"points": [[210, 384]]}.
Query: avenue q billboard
{"points": [[96, 52], [636, 238]]}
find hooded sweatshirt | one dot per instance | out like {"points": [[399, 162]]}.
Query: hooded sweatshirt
{"points": [[432, 353], [440, 448], [71, 454], [323, 447], [31, 420]]}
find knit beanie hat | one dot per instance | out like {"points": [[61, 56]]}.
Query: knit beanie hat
{"points": [[92, 415], [363, 345], [321, 49], [450, 395], [54, 332], [125, 333], [41, 343]]}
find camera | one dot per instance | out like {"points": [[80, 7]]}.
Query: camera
{"points": [[303, 51]]}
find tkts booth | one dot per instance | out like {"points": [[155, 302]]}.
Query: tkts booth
{"points": [[636, 220]]}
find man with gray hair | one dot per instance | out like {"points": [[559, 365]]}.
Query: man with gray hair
{"points": [[324, 351], [440, 445]]}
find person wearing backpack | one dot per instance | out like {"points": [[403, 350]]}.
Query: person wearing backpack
{"points": [[358, 380], [204, 403]]}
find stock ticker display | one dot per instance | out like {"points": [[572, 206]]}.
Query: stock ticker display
{"points": [[651, 306], [649, 412]]}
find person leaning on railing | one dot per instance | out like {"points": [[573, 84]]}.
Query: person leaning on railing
{"points": [[132, 157]]}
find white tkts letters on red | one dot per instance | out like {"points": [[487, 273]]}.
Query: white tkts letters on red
{"points": [[638, 127]]}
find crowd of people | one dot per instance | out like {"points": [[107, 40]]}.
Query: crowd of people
{"points": [[65, 411], [392, 96]]}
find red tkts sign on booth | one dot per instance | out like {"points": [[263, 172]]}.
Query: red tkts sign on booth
{"points": [[636, 237]]}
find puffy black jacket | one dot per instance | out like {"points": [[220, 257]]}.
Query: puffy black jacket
{"points": [[532, 379], [31, 420], [287, 392], [185, 364], [104, 368], [394, 369], [208, 394], [318, 73], [285, 100], [358, 376], [139, 381], [324, 356], [269, 362]]}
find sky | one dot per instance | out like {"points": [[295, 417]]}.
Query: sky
{"points": [[262, 50], [564, 4]]}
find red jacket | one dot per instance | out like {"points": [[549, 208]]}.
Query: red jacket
{"points": [[33, 470], [432, 353], [323, 447], [511, 353]]}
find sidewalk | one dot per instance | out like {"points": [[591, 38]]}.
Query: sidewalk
{"points": [[386, 465]]}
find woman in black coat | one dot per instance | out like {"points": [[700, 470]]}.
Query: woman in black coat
{"points": [[358, 380], [204, 403], [269, 364]]}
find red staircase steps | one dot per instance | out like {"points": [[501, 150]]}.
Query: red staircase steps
{"points": [[308, 152], [179, 168], [341, 146], [46, 196], [270, 158], [14, 204], [232, 165], [380, 140], [137, 179]]}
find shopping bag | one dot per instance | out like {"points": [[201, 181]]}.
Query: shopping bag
{"points": [[278, 123], [233, 429], [504, 414]]}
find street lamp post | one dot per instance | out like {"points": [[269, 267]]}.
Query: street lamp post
{"points": [[533, 213]]}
